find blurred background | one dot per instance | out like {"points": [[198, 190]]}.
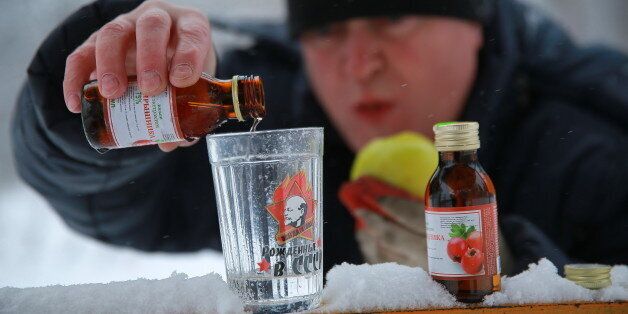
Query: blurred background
{"points": [[36, 249]]}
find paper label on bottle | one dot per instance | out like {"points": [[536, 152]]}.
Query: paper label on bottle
{"points": [[462, 241], [136, 119]]}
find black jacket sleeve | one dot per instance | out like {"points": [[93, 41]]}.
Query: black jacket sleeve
{"points": [[554, 129], [564, 172], [565, 167], [142, 197]]}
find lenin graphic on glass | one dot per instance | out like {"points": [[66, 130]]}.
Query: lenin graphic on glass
{"points": [[294, 208], [294, 213]]}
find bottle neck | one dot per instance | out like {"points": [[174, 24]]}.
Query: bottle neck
{"points": [[458, 157], [248, 97]]}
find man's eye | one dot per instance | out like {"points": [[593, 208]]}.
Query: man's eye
{"points": [[394, 18], [325, 35], [322, 31]]}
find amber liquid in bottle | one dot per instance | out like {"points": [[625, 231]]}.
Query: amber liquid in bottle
{"points": [[460, 181], [196, 110]]}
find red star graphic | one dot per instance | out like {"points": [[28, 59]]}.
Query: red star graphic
{"points": [[296, 185], [264, 265]]}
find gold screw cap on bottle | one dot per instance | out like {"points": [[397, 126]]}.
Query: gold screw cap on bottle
{"points": [[456, 136], [590, 276]]}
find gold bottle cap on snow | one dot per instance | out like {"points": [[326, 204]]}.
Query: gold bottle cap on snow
{"points": [[586, 269], [456, 136], [590, 276], [594, 284]]}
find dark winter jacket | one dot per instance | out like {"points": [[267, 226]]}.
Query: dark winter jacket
{"points": [[554, 131]]}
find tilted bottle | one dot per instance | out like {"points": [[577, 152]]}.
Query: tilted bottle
{"points": [[176, 114], [461, 216]]}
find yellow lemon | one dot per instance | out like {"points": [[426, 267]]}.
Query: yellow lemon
{"points": [[405, 160]]}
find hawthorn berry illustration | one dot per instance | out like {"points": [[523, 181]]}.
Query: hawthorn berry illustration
{"points": [[472, 261], [474, 240], [456, 248], [459, 243]]}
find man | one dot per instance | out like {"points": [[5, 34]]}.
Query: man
{"points": [[553, 117]]}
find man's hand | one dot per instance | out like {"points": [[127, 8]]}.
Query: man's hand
{"points": [[159, 42], [390, 223]]}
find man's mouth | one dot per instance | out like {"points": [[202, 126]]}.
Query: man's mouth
{"points": [[373, 110]]}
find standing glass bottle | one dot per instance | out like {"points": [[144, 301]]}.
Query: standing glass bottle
{"points": [[176, 114], [461, 216]]}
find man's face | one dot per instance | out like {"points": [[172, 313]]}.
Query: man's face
{"points": [[379, 76]]}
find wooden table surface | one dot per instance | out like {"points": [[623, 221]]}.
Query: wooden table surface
{"points": [[595, 307]]}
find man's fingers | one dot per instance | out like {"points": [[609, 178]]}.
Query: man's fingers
{"points": [[168, 147], [112, 43], [78, 67], [188, 144], [192, 46], [146, 34], [153, 34]]}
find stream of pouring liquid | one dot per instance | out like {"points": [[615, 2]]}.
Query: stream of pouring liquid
{"points": [[256, 122]]}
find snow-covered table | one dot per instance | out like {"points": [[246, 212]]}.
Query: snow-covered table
{"points": [[391, 287], [349, 288], [589, 308]]}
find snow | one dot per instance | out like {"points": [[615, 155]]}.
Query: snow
{"points": [[542, 284], [618, 291], [350, 288], [177, 294], [619, 274], [381, 287], [539, 284], [39, 250]]}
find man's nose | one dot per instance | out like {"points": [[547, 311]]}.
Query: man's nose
{"points": [[362, 52]]}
